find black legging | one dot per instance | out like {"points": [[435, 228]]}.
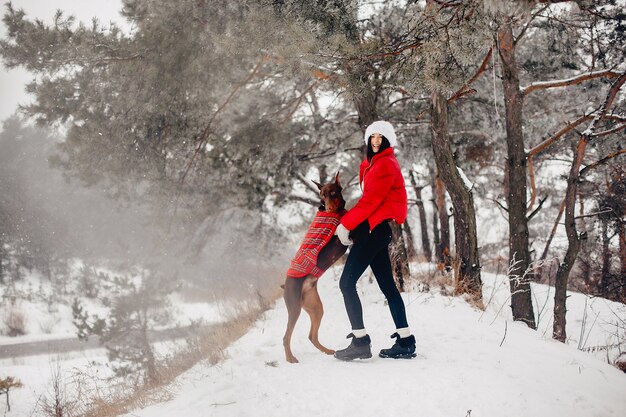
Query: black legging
{"points": [[371, 249]]}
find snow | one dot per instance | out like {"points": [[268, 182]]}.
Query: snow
{"points": [[468, 184], [40, 322], [467, 359], [45, 321], [470, 363]]}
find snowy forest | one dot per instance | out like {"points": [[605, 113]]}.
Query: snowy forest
{"points": [[170, 160]]}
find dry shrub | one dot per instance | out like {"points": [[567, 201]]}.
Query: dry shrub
{"points": [[439, 280], [447, 284], [58, 402], [14, 321], [620, 362], [48, 324], [462, 288]]}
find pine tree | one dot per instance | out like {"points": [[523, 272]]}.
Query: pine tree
{"points": [[139, 306]]}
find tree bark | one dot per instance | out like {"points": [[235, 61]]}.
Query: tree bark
{"points": [[465, 237], [443, 248], [410, 241], [436, 236], [562, 274], [364, 96], [520, 270], [605, 275], [422, 218], [398, 255], [622, 254]]}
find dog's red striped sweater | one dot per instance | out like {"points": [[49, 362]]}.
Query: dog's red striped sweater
{"points": [[317, 236]]}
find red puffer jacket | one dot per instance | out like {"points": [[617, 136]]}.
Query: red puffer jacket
{"points": [[384, 193]]}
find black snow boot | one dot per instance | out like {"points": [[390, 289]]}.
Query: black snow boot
{"points": [[404, 348], [359, 349]]}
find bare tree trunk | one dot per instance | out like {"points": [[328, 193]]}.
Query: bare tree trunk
{"points": [[323, 170], [410, 241], [444, 225], [520, 271], [547, 266], [544, 255], [364, 96], [573, 239], [621, 232], [399, 258], [152, 374], [562, 274], [583, 261], [605, 275], [422, 217], [436, 240], [465, 237]]}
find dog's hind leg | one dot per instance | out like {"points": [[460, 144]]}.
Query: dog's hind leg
{"points": [[313, 306], [293, 301]]}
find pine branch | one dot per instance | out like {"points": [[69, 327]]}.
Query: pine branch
{"points": [[465, 89], [449, 3], [307, 183], [597, 213], [608, 102], [527, 25], [544, 85], [541, 201], [610, 131], [314, 203], [500, 204], [554, 138], [540, 148], [204, 135], [298, 100], [602, 161], [394, 52]]}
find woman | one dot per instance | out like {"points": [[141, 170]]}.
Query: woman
{"points": [[384, 200]]}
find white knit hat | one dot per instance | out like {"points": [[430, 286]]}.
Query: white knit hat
{"points": [[385, 129]]}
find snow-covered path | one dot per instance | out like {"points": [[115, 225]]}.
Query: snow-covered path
{"points": [[469, 364]]}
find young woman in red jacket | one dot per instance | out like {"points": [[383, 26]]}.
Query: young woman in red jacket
{"points": [[384, 200]]}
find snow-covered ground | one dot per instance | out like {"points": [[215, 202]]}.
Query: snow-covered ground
{"points": [[45, 320], [470, 362]]}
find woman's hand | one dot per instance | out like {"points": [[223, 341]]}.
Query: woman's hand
{"points": [[344, 235]]}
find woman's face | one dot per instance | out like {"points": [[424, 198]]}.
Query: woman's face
{"points": [[376, 140]]}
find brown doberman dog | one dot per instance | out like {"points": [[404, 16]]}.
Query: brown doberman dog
{"points": [[302, 292]]}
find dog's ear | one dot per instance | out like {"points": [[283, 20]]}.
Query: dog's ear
{"points": [[337, 180], [318, 184]]}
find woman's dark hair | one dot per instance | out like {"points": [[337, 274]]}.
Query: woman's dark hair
{"points": [[370, 152]]}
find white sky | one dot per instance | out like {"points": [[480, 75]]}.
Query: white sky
{"points": [[13, 82]]}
